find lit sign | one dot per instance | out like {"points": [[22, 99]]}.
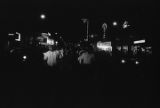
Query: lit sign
{"points": [[139, 41], [106, 46], [19, 37], [10, 34], [16, 36], [45, 39], [50, 41]]}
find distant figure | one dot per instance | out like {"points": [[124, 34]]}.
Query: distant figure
{"points": [[86, 58], [51, 56]]}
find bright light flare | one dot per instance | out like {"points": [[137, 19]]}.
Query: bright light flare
{"points": [[24, 57], [123, 61], [115, 23], [136, 62], [42, 16]]}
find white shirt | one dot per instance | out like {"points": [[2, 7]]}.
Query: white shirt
{"points": [[51, 57], [86, 58]]}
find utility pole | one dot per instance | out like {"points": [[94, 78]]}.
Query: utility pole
{"points": [[104, 27], [86, 21]]}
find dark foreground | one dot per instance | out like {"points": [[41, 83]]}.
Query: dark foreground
{"points": [[102, 84]]}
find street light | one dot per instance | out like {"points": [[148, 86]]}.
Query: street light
{"points": [[115, 23], [42, 16], [87, 22], [123, 61], [24, 57], [136, 62]]}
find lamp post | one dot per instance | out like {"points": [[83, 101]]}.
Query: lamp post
{"points": [[104, 27], [87, 28]]}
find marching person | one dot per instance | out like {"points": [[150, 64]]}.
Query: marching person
{"points": [[86, 58], [51, 56]]}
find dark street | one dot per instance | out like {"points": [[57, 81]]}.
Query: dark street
{"points": [[79, 54], [98, 85]]}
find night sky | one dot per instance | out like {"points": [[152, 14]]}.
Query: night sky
{"points": [[65, 16]]}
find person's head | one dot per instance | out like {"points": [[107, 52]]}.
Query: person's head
{"points": [[50, 48]]}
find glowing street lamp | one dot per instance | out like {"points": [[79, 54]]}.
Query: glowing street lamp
{"points": [[123, 61], [24, 57], [43, 16], [136, 62], [115, 23]]}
